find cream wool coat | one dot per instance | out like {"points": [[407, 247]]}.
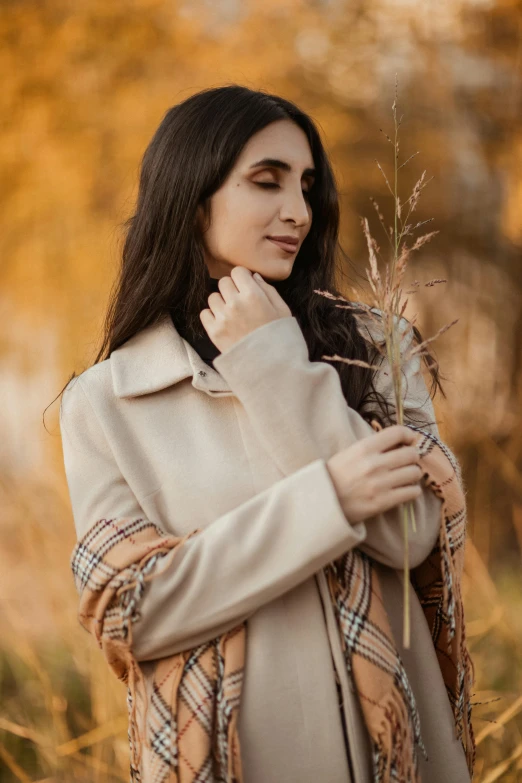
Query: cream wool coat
{"points": [[241, 452]]}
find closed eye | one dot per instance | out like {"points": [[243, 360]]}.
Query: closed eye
{"points": [[275, 185]]}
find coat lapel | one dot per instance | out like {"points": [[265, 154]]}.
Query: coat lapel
{"points": [[158, 357]]}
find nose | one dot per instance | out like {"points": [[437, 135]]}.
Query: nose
{"points": [[295, 207]]}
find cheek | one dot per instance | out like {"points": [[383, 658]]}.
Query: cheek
{"points": [[250, 206], [240, 219]]}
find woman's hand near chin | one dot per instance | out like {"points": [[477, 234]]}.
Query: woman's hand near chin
{"points": [[242, 304]]}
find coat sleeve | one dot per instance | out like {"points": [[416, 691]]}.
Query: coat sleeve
{"points": [[243, 559], [300, 414]]}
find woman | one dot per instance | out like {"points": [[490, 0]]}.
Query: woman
{"points": [[210, 410]]}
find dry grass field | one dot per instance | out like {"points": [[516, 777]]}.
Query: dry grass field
{"points": [[85, 87]]}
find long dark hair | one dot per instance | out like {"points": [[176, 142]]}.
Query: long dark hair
{"points": [[163, 269]]}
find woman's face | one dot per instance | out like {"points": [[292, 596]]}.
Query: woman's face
{"points": [[259, 200]]}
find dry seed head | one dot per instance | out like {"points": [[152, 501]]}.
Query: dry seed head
{"points": [[376, 207], [400, 268], [414, 198], [384, 175], [399, 274], [422, 222], [356, 362], [349, 307], [328, 295], [371, 251], [420, 241], [372, 284]]}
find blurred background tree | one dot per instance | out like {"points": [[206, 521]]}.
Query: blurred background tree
{"points": [[84, 88]]}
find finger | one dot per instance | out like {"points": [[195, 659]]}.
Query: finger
{"points": [[242, 278], [268, 289], [404, 494], [214, 300], [207, 318], [392, 437], [401, 477], [406, 455], [227, 288]]}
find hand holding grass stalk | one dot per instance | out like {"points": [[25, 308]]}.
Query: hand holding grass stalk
{"points": [[387, 297]]}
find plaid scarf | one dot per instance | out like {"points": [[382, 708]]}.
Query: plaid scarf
{"points": [[189, 723]]}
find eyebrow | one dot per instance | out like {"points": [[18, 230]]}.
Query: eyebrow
{"points": [[281, 164]]}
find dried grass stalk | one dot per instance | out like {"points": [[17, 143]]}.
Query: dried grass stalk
{"points": [[387, 293]]}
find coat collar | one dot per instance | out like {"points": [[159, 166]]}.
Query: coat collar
{"points": [[158, 357]]}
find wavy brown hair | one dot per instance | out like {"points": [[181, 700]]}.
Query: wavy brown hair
{"points": [[163, 269]]}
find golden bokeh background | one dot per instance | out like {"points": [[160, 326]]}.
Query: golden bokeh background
{"points": [[84, 87]]}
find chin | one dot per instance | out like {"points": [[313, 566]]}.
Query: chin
{"points": [[279, 277]]}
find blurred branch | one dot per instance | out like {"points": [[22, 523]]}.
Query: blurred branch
{"points": [[13, 765], [98, 734], [499, 770]]}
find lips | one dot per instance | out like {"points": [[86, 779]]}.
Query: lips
{"points": [[289, 247]]}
